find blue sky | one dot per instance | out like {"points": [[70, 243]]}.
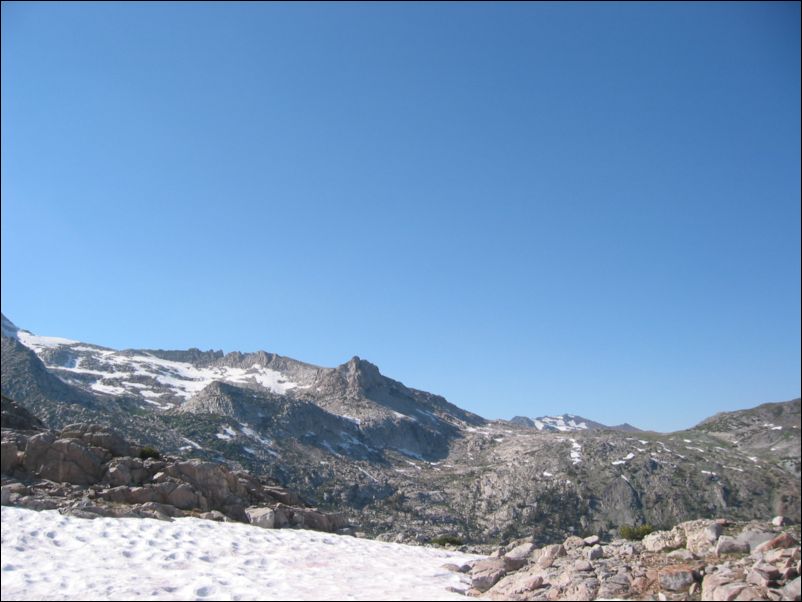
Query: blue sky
{"points": [[527, 208]]}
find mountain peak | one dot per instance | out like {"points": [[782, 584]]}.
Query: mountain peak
{"points": [[9, 329]]}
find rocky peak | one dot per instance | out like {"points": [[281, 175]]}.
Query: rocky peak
{"points": [[9, 329], [360, 375]]}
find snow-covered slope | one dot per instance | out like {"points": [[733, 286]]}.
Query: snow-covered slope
{"points": [[142, 374], [48, 556], [568, 423]]}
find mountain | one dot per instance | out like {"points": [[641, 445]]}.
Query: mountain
{"points": [[769, 431], [569, 423], [407, 465]]}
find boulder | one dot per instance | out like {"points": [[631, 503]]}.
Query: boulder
{"points": [[657, 541], [98, 436], [783, 540], [519, 555], [592, 540], [262, 517], [726, 584], [791, 590], [701, 535], [132, 495], [9, 457], [581, 589], [730, 545], [62, 460], [160, 511], [516, 586], [676, 578], [572, 542], [5, 495], [682, 554], [715, 584], [615, 586], [486, 573], [753, 537], [182, 497], [779, 521], [549, 553], [218, 485], [125, 471], [594, 552], [282, 495]]}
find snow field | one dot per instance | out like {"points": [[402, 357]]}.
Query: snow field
{"points": [[47, 556]]}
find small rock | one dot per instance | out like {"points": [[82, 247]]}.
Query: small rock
{"points": [[779, 521], [676, 578], [753, 538], [573, 542], [783, 540], [791, 591], [658, 541], [521, 553], [730, 545], [594, 552], [701, 535], [549, 553], [626, 550], [261, 517], [723, 584], [486, 573], [757, 578], [682, 554], [583, 566]]}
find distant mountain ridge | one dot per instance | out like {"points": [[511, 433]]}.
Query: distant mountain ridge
{"points": [[569, 423], [406, 464]]}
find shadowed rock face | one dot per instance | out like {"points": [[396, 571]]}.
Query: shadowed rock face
{"points": [[405, 464], [14, 416]]}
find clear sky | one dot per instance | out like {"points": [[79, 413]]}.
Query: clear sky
{"points": [[527, 208]]}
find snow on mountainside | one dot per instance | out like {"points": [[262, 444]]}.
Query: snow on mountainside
{"points": [[163, 380], [195, 559], [567, 423], [160, 382]]}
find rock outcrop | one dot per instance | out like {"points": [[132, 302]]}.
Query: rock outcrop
{"points": [[623, 569], [88, 470]]}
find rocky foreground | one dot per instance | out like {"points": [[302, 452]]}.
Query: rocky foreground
{"points": [[89, 471], [696, 560]]}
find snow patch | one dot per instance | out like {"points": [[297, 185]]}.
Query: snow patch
{"points": [[576, 452], [195, 559]]}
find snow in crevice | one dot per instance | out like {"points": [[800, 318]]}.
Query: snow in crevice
{"points": [[576, 452]]}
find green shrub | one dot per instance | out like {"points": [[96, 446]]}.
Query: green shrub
{"points": [[149, 452], [635, 532], [447, 540]]}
